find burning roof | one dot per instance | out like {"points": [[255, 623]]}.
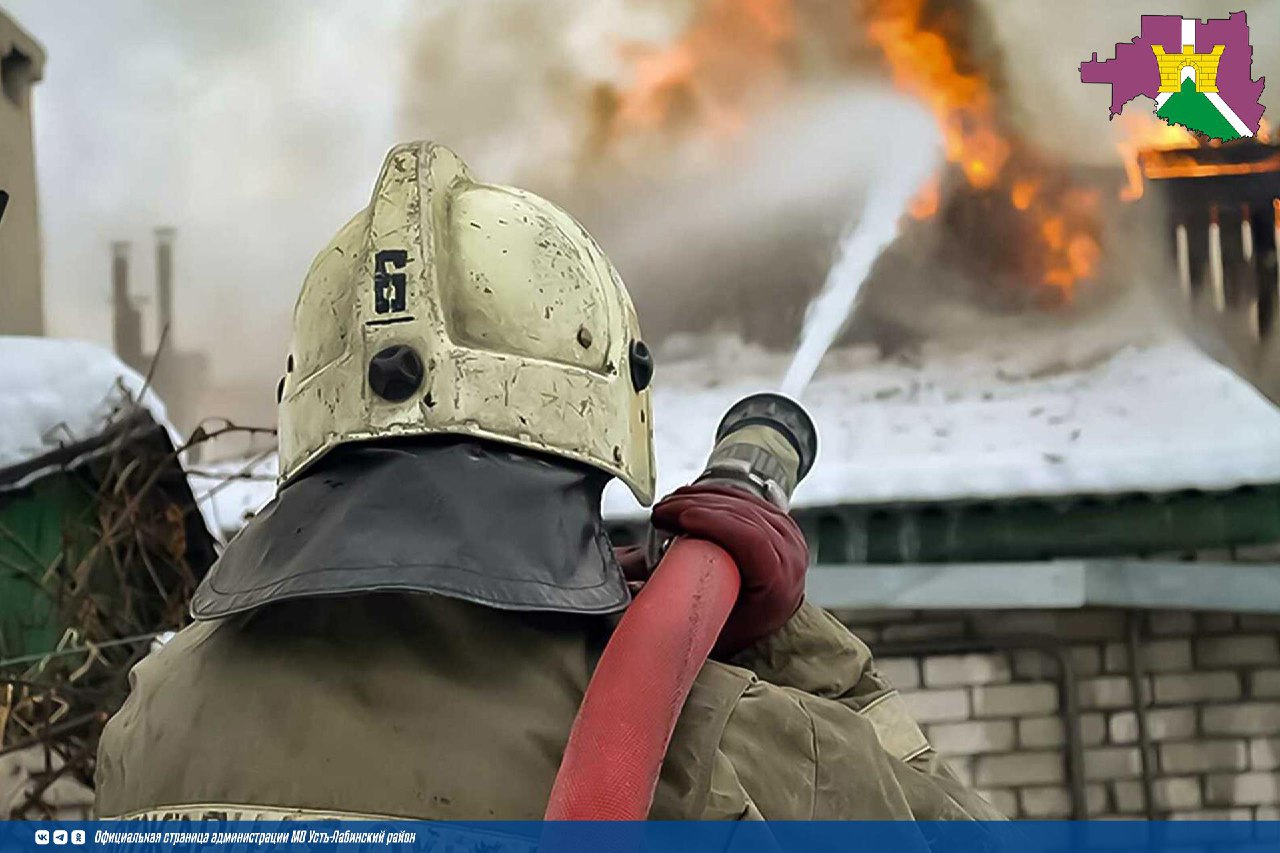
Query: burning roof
{"points": [[1247, 157], [1031, 203], [736, 56]]}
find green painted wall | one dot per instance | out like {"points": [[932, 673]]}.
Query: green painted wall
{"points": [[36, 523], [1027, 530]]}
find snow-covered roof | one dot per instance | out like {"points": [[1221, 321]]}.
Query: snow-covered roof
{"points": [[1015, 415], [55, 393], [1019, 414]]}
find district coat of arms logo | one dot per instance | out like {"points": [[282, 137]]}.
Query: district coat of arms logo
{"points": [[1199, 73]]}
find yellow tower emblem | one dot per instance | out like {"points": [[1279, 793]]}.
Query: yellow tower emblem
{"points": [[1203, 65]]}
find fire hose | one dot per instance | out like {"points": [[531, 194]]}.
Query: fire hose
{"points": [[766, 443]]}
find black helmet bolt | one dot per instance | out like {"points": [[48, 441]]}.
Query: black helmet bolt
{"points": [[395, 373], [641, 365]]}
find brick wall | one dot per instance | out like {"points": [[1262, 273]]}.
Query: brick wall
{"points": [[1210, 685]]}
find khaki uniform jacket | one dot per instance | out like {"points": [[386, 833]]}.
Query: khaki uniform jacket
{"points": [[420, 706]]}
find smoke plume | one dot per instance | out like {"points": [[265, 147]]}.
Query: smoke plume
{"points": [[907, 166]]}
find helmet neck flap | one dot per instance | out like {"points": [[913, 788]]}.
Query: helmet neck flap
{"points": [[467, 519]]}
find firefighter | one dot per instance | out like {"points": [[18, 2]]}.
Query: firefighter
{"points": [[407, 630]]}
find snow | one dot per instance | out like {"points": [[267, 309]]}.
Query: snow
{"points": [[230, 492], [1018, 414], [58, 392]]}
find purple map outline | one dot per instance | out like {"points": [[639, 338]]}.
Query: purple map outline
{"points": [[1133, 70]]}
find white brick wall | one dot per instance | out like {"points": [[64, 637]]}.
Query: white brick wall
{"points": [[1242, 789], [1019, 768], [1237, 650], [1108, 691], [1015, 700], [972, 738], [1112, 762], [1162, 724], [931, 706], [1264, 753], [1198, 756], [1210, 687], [1249, 718], [1167, 622], [1265, 683], [903, 673], [956, 670], [1157, 656], [1187, 687], [1004, 799], [1055, 801], [1172, 794], [1039, 732]]}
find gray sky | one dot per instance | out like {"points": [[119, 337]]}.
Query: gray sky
{"points": [[253, 128]]}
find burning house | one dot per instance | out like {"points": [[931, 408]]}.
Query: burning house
{"points": [[1054, 519]]}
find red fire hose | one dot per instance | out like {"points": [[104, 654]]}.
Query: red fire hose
{"points": [[765, 444], [620, 737]]}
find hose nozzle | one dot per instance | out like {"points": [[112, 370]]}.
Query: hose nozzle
{"points": [[766, 443]]}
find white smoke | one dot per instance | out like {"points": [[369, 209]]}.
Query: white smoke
{"points": [[909, 162]]}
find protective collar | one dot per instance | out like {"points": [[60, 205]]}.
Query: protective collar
{"points": [[465, 519]]}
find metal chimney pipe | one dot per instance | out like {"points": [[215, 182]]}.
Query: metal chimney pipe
{"points": [[119, 274], [164, 281], [126, 325]]}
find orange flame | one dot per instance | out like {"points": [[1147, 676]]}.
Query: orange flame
{"points": [[925, 204], [1073, 254], [1023, 193], [705, 79], [923, 63], [1144, 131]]}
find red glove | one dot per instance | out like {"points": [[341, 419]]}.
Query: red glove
{"points": [[765, 543]]}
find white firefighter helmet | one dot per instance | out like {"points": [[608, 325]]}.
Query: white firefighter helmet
{"points": [[453, 307]]}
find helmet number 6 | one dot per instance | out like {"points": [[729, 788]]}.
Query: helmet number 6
{"points": [[389, 280]]}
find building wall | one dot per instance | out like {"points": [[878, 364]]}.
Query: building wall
{"points": [[1210, 685], [21, 66]]}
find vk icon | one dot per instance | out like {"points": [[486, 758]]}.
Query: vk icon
{"points": [[42, 836], [59, 836]]}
